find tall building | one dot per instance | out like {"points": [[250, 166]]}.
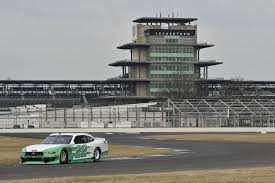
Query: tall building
{"points": [[165, 54]]}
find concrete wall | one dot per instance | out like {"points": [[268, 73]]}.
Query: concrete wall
{"points": [[140, 54], [140, 28], [141, 89]]}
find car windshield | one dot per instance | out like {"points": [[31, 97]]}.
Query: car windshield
{"points": [[57, 139]]}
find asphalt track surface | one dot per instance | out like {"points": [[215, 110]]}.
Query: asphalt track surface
{"points": [[204, 156]]}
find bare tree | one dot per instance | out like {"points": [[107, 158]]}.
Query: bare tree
{"points": [[238, 87]]}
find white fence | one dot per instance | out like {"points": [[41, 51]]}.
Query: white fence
{"points": [[84, 118]]}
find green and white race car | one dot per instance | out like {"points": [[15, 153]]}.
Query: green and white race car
{"points": [[65, 148]]}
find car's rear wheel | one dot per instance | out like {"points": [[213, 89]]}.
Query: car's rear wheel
{"points": [[97, 154], [63, 157]]}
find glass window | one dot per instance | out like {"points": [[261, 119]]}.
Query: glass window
{"points": [[80, 139], [58, 139], [171, 53], [89, 139]]}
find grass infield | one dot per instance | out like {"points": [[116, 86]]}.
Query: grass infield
{"points": [[249, 175], [11, 148]]}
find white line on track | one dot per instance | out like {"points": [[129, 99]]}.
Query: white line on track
{"points": [[177, 152]]}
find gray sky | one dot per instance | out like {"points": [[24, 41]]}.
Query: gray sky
{"points": [[76, 39]]}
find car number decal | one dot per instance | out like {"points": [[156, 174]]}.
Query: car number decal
{"points": [[80, 151]]}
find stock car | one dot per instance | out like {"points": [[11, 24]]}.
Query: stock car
{"points": [[62, 148]]}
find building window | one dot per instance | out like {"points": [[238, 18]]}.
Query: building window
{"points": [[161, 71], [171, 53], [158, 88]]}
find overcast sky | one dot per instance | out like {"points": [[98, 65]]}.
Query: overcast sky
{"points": [[76, 39]]}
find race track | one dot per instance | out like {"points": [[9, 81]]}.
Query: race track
{"points": [[204, 155]]}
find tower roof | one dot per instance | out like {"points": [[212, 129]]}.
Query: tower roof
{"points": [[164, 20], [140, 45]]}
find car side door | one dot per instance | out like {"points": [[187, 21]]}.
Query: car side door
{"points": [[80, 148], [91, 145]]}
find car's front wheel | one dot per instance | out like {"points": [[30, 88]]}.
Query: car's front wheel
{"points": [[63, 157], [97, 154]]}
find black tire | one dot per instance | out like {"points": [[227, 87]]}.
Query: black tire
{"points": [[63, 157], [97, 154]]}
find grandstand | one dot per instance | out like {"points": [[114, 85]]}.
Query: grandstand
{"points": [[67, 93]]}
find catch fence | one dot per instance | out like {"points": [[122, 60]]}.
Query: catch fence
{"points": [[176, 113]]}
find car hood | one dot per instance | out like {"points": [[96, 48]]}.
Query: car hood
{"points": [[42, 147]]}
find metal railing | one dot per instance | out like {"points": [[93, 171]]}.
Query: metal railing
{"points": [[176, 113], [96, 117], [221, 112]]}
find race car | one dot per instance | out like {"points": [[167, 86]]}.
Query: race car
{"points": [[62, 148]]}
